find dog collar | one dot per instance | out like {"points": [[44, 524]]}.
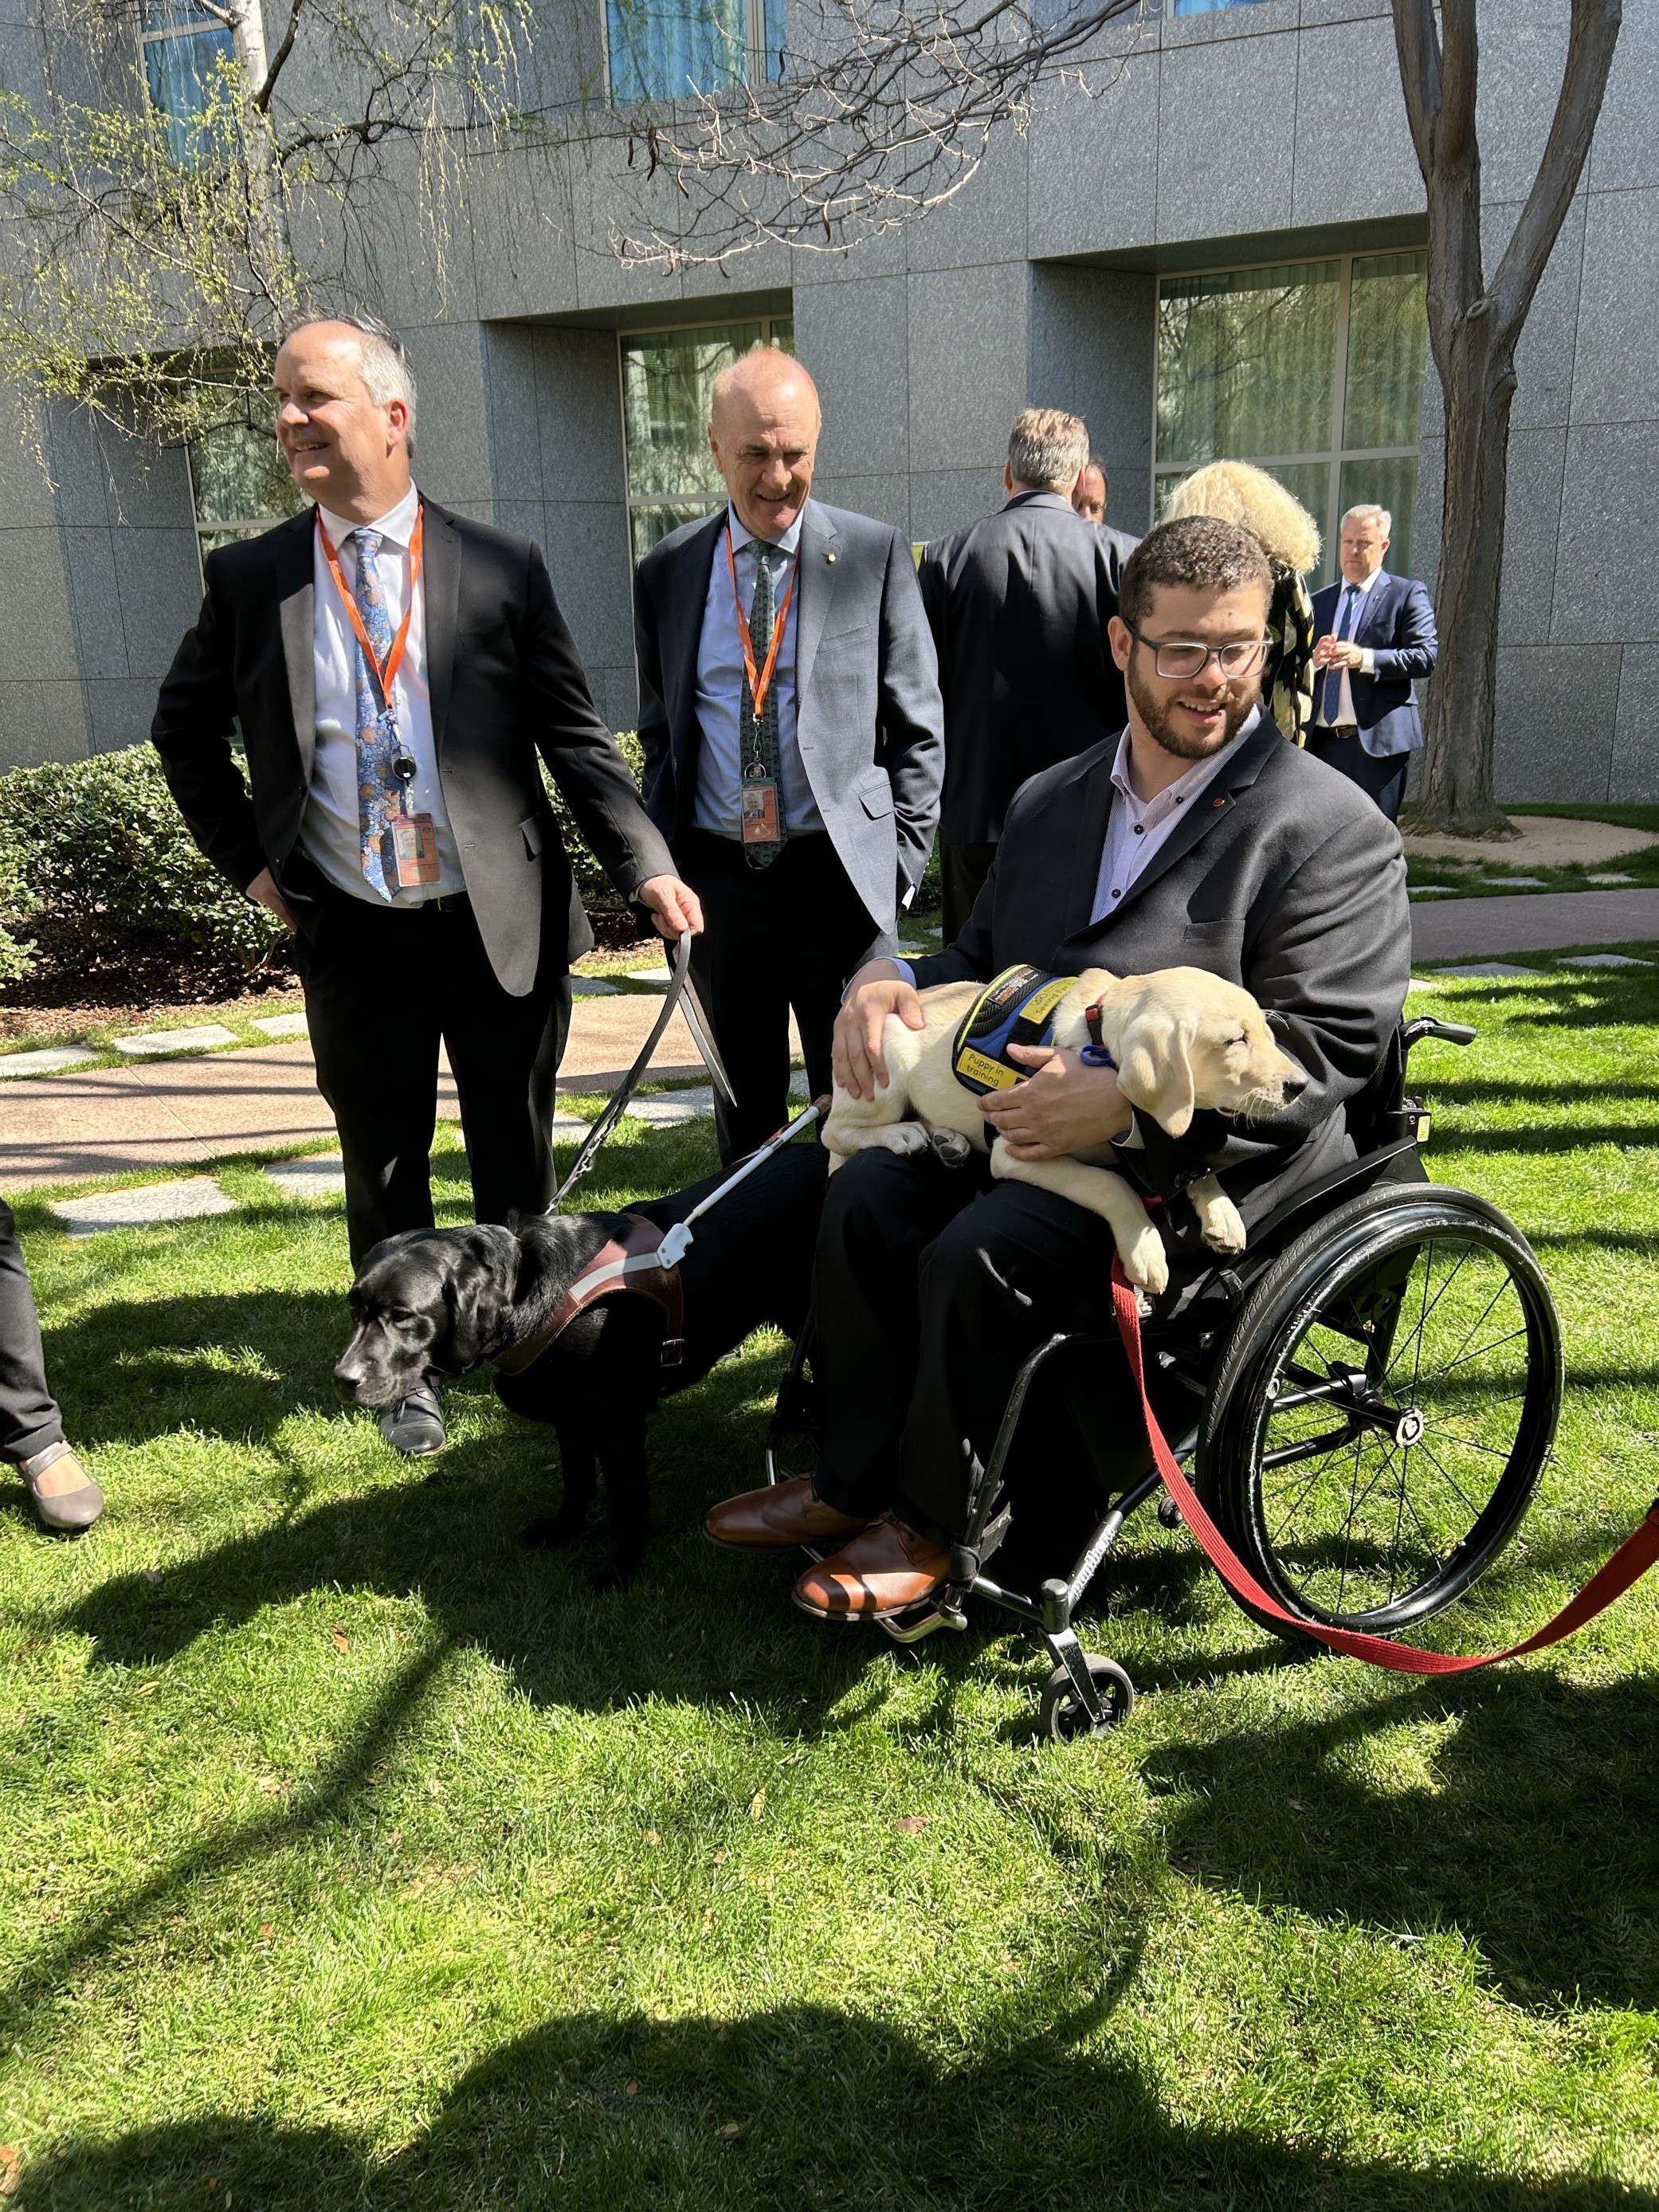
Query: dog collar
{"points": [[1095, 1053]]}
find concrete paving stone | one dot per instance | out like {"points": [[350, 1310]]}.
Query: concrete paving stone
{"points": [[151, 1203], [1433, 890], [1604, 960], [282, 1025], [1610, 879], [909, 951], [160, 1041], [570, 1126], [1535, 921], [323, 1177], [1487, 967], [1516, 883], [671, 1109], [660, 978], [592, 986], [47, 1061]]}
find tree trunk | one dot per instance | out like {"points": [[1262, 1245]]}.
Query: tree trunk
{"points": [[269, 254], [1456, 792]]}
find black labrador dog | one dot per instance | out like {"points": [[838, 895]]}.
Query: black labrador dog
{"points": [[449, 1299]]}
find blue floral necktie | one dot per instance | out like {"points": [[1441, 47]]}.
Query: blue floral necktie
{"points": [[380, 795]]}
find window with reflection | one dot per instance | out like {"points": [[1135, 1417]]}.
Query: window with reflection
{"points": [[667, 381], [1313, 370], [675, 49], [239, 484], [183, 47]]}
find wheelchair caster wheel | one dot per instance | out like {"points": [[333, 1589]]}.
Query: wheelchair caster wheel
{"points": [[1064, 1716], [1169, 1513]]}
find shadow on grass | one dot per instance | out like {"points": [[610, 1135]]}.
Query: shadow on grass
{"points": [[1532, 1824], [800, 2105]]}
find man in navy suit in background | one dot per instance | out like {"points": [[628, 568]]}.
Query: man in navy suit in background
{"points": [[1375, 635]]}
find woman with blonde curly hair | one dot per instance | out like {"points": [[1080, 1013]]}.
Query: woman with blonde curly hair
{"points": [[1233, 491]]}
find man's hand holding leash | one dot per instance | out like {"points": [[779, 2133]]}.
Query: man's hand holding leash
{"points": [[1063, 1105], [675, 907]]}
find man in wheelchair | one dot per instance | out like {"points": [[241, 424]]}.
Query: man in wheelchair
{"points": [[1197, 838]]}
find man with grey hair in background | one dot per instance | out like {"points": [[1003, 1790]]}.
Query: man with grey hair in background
{"points": [[1375, 634], [1018, 604], [399, 674]]}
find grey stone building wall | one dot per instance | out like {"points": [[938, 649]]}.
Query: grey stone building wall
{"points": [[1260, 133]]}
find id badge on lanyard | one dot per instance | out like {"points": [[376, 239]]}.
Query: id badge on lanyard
{"points": [[759, 817], [408, 846], [409, 843]]}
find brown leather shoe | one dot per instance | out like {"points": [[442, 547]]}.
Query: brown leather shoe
{"points": [[776, 1518], [886, 1571]]}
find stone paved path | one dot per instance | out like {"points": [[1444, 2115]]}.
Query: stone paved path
{"points": [[177, 1113]]}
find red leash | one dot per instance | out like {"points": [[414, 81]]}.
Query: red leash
{"points": [[1627, 1565]]}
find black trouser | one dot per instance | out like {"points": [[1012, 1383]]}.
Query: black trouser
{"points": [[778, 938], [963, 869], [1383, 778], [30, 1419], [917, 1342], [382, 987]]}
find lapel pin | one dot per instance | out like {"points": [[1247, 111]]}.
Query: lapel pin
{"points": [[1221, 802], [830, 558]]}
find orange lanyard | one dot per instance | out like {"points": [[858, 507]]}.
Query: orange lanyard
{"points": [[387, 676], [760, 684]]}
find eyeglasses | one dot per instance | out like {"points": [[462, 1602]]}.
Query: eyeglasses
{"points": [[1184, 658]]}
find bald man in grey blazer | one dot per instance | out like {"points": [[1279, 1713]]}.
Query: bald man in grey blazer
{"points": [[793, 737]]}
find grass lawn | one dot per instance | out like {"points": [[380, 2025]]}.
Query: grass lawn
{"points": [[351, 1855]]}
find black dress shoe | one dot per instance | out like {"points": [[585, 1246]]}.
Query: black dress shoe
{"points": [[415, 1425]]}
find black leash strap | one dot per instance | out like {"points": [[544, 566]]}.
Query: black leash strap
{"points": [[622, 1097]]}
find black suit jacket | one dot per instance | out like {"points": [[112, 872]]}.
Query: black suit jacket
{"points": [[1283, 878], [866, 693], [1018, 604], [506, 684]]}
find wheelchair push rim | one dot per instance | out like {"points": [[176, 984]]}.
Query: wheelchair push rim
{"points": [[1391, 1404]]}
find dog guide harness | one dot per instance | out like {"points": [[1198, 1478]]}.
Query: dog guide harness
{"points": [[1016, 1008]]}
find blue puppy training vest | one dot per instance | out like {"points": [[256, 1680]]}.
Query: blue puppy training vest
{"points": [[1016, 1008]]}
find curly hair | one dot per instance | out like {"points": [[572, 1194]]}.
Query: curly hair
{"points": [[1234, 491], [1197, 553]]}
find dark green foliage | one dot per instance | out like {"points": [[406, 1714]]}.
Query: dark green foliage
{"points": [[596, 887], [99, 848]]}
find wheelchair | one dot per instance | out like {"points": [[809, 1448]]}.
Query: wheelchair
{"points": [[1365, 1400]]}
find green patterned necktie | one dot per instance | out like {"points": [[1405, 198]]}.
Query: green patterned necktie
{"points": [[758, 737]]}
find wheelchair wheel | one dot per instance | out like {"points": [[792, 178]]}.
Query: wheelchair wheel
{"points": [[1383, 1409], [1064, 1717]]}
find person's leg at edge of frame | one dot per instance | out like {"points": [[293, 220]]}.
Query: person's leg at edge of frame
{"points": [[880, 1214], [974, 1334], [31, 1438]]}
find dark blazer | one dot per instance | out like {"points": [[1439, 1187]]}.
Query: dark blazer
{"points": [[868, 713], [1018, 604], [1396, 621], [1283, 878], [506, 682]]}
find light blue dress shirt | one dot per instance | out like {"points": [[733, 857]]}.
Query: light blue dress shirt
{"points": [[720, 693]]}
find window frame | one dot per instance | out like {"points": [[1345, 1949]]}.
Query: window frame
{"points": [[1335, 454], [767, 324], [171, 122], [233, 527]]}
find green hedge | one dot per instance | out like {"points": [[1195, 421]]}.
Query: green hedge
{"points": [[99, 847]]}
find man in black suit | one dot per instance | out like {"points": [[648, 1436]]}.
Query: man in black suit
{"points": [[789, 712], [396, 671], [1197, 838], [1375, 634], [1018, 604]]}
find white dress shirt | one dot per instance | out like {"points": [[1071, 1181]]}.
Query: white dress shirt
{"points": [[1345, 713], [331, 833], [1136, 828], [720, 692]]}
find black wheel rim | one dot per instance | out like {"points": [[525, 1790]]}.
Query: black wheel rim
{"points": [[1401, 1419]]}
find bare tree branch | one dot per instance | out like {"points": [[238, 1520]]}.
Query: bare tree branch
{"points": [[1592, 35], [1417, 42], [262, 97], [1460, 64]]}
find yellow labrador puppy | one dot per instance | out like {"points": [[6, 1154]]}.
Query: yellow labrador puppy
{"points": [[1182, 1039]]}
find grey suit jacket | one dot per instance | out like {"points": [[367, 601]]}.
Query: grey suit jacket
{"points": [[1018, 603], [1283, 878], [868, 717]]}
